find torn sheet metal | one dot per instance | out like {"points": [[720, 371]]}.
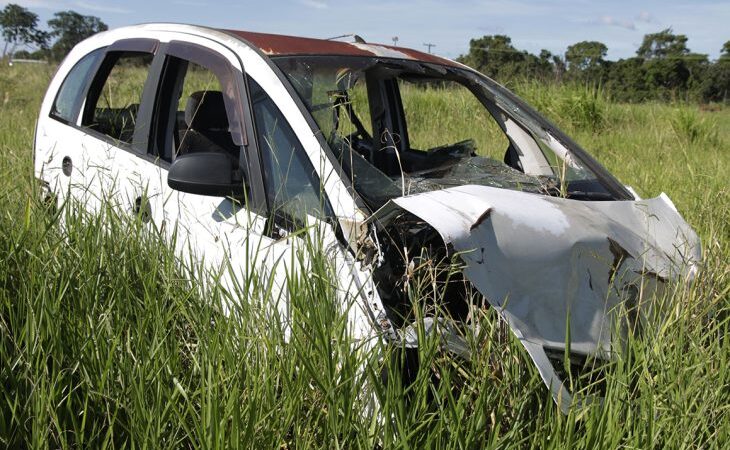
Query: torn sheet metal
{"points": [[544, 260]]}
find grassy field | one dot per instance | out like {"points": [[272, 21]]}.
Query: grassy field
{"points": [[108, 341]]}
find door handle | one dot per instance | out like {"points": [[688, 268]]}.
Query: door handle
{"points": [[142, 209], [67, 166]]}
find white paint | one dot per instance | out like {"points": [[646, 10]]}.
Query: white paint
{"points": [[532, 159], [229, 246], [535, 258], [539, 260], [382, 51]]}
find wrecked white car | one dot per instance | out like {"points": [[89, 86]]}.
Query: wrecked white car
{"points": [[237, 139]]}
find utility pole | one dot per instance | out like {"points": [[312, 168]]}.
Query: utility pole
{"points": [[395, 40], [429, 45]]}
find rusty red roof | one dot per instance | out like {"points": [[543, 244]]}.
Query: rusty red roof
{"points": [[278, 44]]}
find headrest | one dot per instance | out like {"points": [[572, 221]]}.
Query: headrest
{"points": [[206, 110]]}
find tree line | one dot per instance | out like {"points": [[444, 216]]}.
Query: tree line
{"points": [[20, 28], [664, 68]]}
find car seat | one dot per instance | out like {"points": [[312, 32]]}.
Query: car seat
{"points": [[207, 125]]}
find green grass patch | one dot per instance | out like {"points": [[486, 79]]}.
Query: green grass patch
{"points": [[108, 341]]}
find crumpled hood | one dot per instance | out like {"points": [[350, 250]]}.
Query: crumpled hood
{"points": [[543, 261]]}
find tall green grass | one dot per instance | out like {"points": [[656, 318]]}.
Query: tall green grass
{"points": [[109, 341]]}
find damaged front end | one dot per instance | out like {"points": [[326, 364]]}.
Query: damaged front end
{"points": [[564, 274], [495, 204]]}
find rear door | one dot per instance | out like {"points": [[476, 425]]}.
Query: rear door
{"points": [[90, 144], [115, 122], [59, 156]]}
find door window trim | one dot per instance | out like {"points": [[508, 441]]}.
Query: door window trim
{"points": [[98, 54], [219, 65], [280, 218], [143, 120], [238, 110]]}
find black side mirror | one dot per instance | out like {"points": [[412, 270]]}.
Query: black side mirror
{"points": [[205, 173]]}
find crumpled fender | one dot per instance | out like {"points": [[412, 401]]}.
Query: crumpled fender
{"points": [[544, 262]]}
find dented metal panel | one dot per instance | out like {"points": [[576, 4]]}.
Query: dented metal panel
{"points": [[544, 262]]}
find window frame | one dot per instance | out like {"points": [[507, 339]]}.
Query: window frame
{"points": [[142, 126], [280, 217], [169, 80], [165, 109], [98, 54]]}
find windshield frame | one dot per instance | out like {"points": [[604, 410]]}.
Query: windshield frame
{"points": [[485, 90]]}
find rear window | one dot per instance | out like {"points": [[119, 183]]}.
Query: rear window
{"points": [[71, 94]]}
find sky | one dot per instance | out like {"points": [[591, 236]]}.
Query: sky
{"points": [[533, 25]]}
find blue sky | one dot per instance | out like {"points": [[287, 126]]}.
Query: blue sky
{"points": [[531, 24]]}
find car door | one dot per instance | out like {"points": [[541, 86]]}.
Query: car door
{"points": [[59, 155], [115, 122], [252, 241], [300, 215], [201, 107]]}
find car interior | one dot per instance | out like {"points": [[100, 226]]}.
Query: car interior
{"points": [[113, 102], [203, 126], [390, 144]]}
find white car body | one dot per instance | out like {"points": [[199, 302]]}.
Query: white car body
{"points": [[535, 250]]}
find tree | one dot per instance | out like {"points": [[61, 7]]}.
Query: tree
{"points": [[663, 44], [70, 28], [20, 26], [627, 80], [715, 84], [671, 69], [667, 77], [496, 57], [547, 68], [585, 55], [558, 67], [490, 53], [586, 61], [725, 52]]}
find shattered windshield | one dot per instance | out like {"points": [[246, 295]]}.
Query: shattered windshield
{"points": [[401, 127]]}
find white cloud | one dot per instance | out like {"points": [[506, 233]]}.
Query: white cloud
{"points": [[102, 8], [492, 29], [615, 22], [316, 4], [645, 16]]}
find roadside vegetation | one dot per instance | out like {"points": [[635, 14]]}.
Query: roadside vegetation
{"points": [[664, 67], [108, 341]]}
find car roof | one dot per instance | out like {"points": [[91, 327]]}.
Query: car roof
{"points": [[282, 45]]}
